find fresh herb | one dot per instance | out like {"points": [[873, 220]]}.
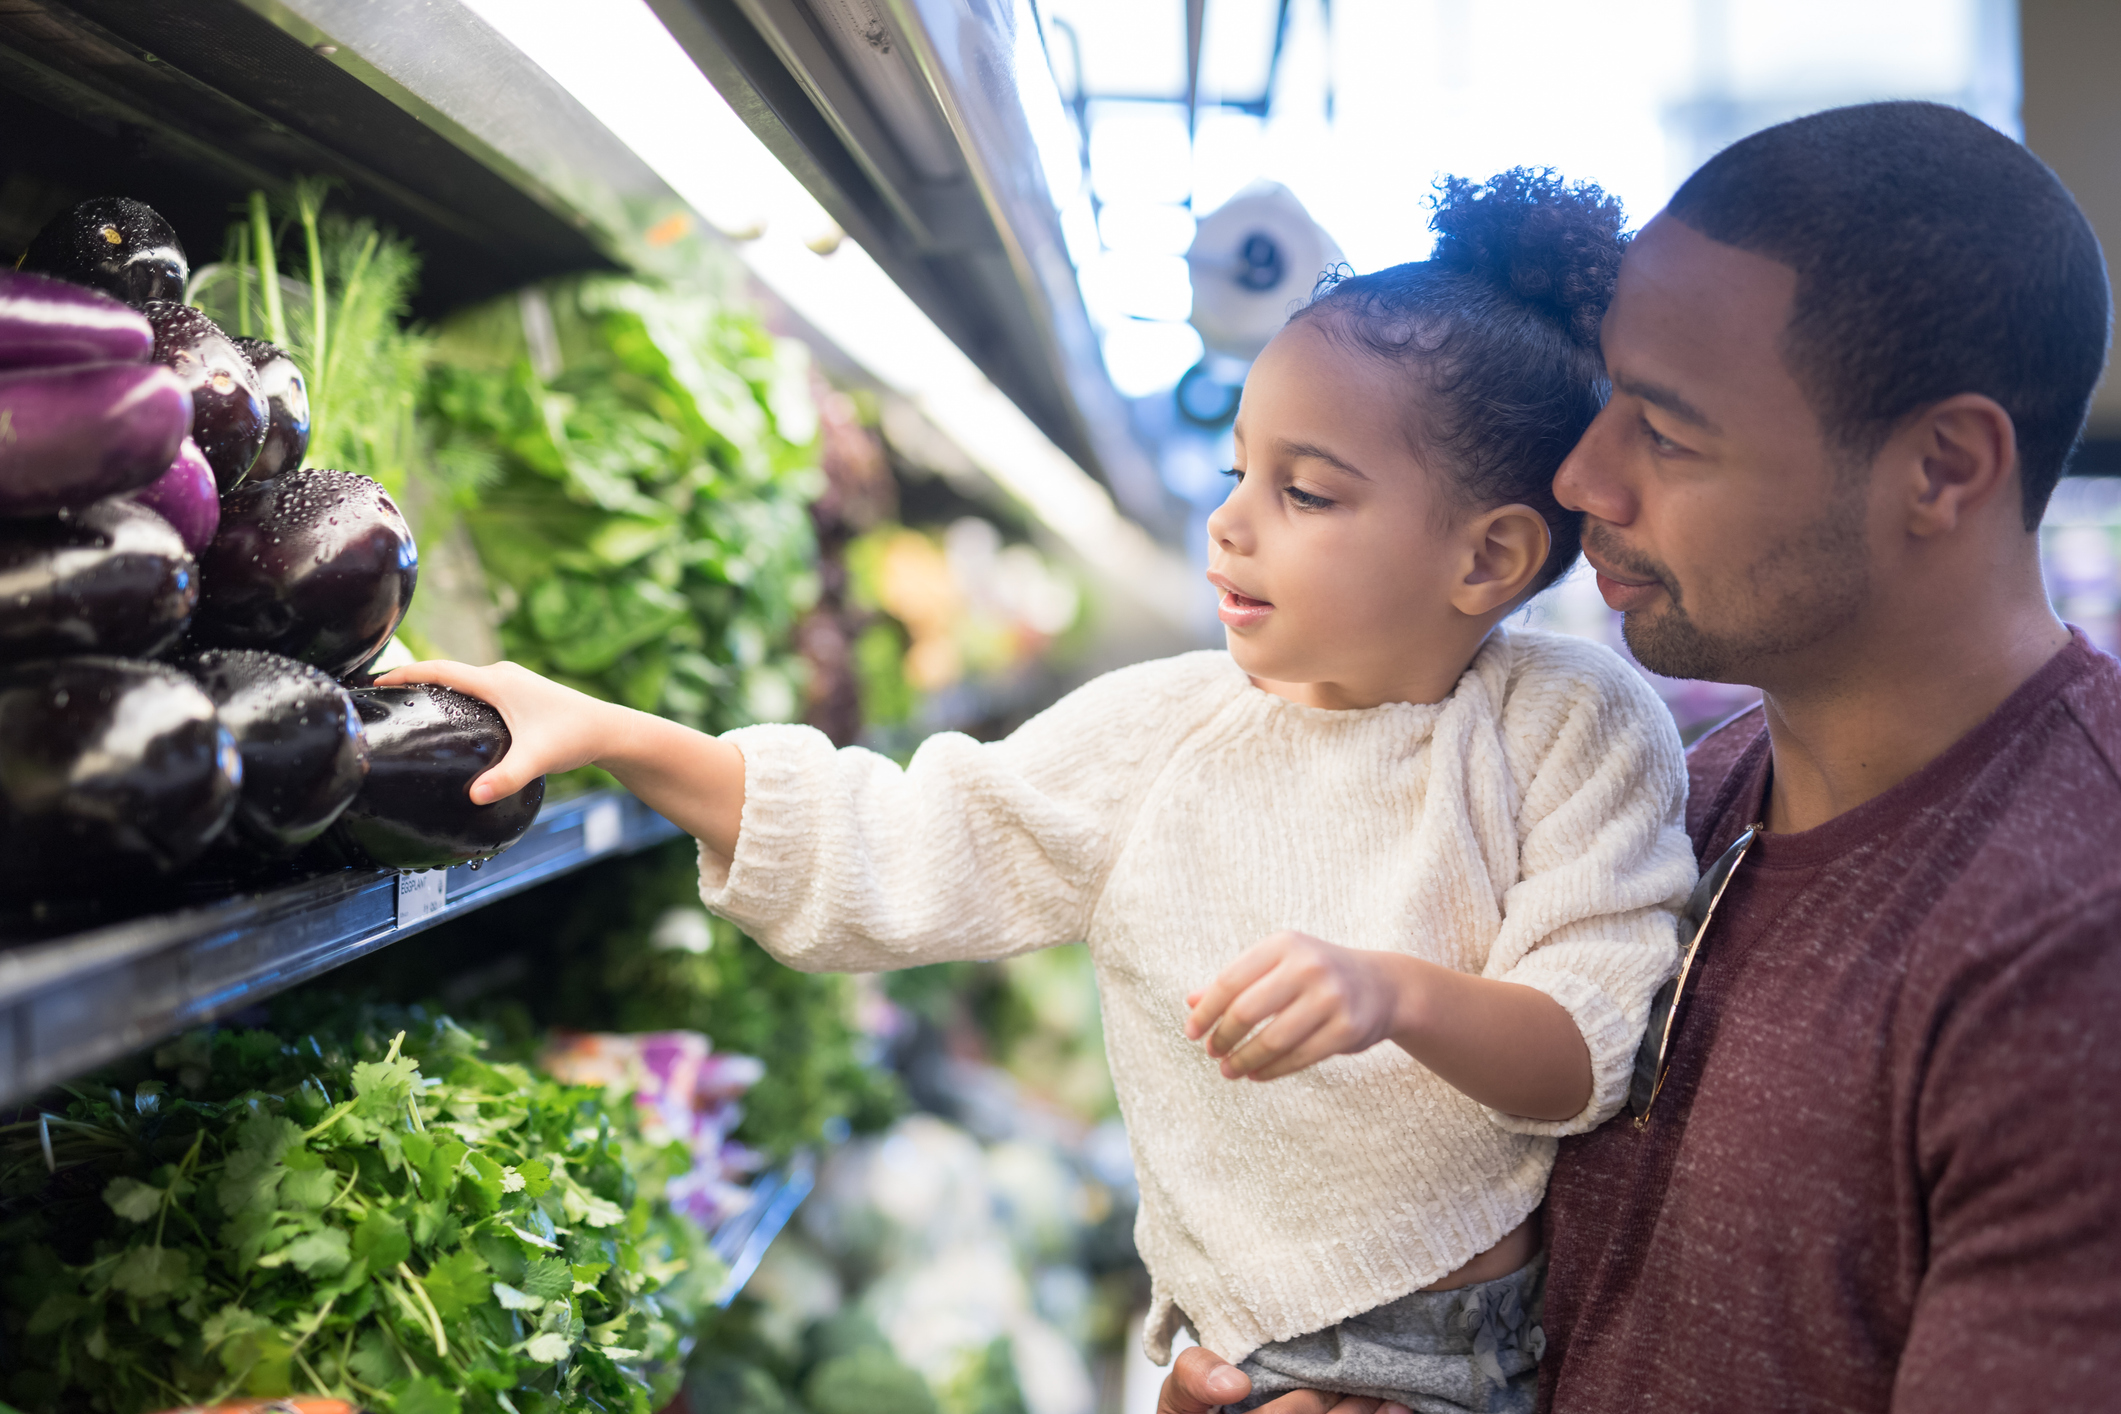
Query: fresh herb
{"points": [[428, 1235], [342, 320]]}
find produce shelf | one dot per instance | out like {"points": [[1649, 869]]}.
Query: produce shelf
{"points": [[70, 1003], [742, 1238]]}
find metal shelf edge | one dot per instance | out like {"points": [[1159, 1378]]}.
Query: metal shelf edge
{"points": [[73, 1003]]}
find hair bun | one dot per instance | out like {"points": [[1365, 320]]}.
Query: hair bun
{"points": [[1552, 244]]}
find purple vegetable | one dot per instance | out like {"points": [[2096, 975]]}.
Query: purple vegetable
{"points": [[109, 578], [304, 755], [113, 244], [287, 403], [186, 497], [426, 745], [69, 436], [44, 322], [316, 565], [105, 765], [229, 416]]}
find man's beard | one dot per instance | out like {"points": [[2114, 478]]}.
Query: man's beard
{"points": [[1803, 589]]}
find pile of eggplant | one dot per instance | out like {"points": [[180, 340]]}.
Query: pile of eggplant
{"points": [[186, 611]]}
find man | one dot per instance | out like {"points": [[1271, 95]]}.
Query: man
{"points": [[1882, 1167]]}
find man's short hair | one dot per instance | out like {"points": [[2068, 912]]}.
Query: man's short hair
{"points": [[1934, 256]]}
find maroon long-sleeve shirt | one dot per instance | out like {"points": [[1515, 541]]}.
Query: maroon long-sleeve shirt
{"points": [[1885, 1170]]}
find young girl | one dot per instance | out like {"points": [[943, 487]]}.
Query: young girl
{"points": [[1377, 817]]}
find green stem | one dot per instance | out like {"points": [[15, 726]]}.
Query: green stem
{"points": [[420, 1293], [337, 1110], [268, 271], [350, 294], [242, 263], [319, 298]]}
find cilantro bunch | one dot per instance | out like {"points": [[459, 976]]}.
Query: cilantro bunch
{"points": [[423, 1236]]}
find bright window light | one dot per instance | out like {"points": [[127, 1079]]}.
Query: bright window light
{"points": [[1138, 152], [1129, 286], [1147, 227], [1147, 356]]}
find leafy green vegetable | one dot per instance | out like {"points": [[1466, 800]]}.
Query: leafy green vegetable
{"points": [[647, 529], [329, 1214]]}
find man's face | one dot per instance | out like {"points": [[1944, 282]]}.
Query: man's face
{"points": [[1718, 518]]}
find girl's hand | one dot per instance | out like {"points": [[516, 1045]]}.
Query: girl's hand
{"points": [[1323, 1001], [550, 728]]}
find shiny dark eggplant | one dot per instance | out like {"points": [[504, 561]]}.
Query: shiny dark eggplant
{"points": [[426, 745], [229, 416], [113, 244], [304, 753], [107, 765], [72, 435], [187, 497], [110, 578], [286, 403], [46, 321], [316, 565]]}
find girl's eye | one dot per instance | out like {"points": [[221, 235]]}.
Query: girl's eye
{"points": [[1308, 501], [1233, 473], [1658, 440]]}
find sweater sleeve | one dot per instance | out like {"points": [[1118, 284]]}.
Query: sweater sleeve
{"points": [[1604, 863], [847, 863]]}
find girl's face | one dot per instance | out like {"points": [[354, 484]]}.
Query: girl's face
{"points": [[1349, 574]]}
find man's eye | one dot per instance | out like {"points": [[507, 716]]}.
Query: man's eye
{"points": [[1658, 440], [1308, 501]]}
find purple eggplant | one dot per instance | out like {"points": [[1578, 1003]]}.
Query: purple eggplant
{"points": [[113, 244], [109, 578], [69, 436], [44, 322], [304, 754], [186, 497], [426, 745], [316, 565], [286, 403], [229, 416], [107, 764]]}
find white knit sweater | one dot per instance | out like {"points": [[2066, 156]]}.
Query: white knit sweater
{"points": [[1528, 827]]}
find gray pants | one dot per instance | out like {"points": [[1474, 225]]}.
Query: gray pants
{"points": [[1473, 1350]]}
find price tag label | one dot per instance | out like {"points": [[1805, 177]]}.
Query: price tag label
{"points": [[603, 828], [421, 895]]}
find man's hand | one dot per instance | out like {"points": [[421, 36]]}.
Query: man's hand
{"points": [[550, 728], [1200, 1383], [1324, 1001]]}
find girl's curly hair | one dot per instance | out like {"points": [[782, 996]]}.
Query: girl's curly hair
{"points": [[1500, 325]]}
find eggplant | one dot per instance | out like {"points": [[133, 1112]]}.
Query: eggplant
{"points": [[229, 416], [426, 745], [113, 244], [304, 754], [44, 322], [105, 764], [110, 578], [316, 565], [286, 405], [187, 497], [69, 436]]}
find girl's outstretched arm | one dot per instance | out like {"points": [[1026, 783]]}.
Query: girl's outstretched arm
{"points": [[1511, 1047], [693, 780]]}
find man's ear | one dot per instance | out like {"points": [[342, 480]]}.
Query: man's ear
{"points": [[1960, 457], [1508, 544]]}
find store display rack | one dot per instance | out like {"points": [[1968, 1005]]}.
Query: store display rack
{"points": [[71, 1003]]}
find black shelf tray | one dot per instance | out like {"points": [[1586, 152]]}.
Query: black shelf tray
{"points": [[71, 1003]]}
